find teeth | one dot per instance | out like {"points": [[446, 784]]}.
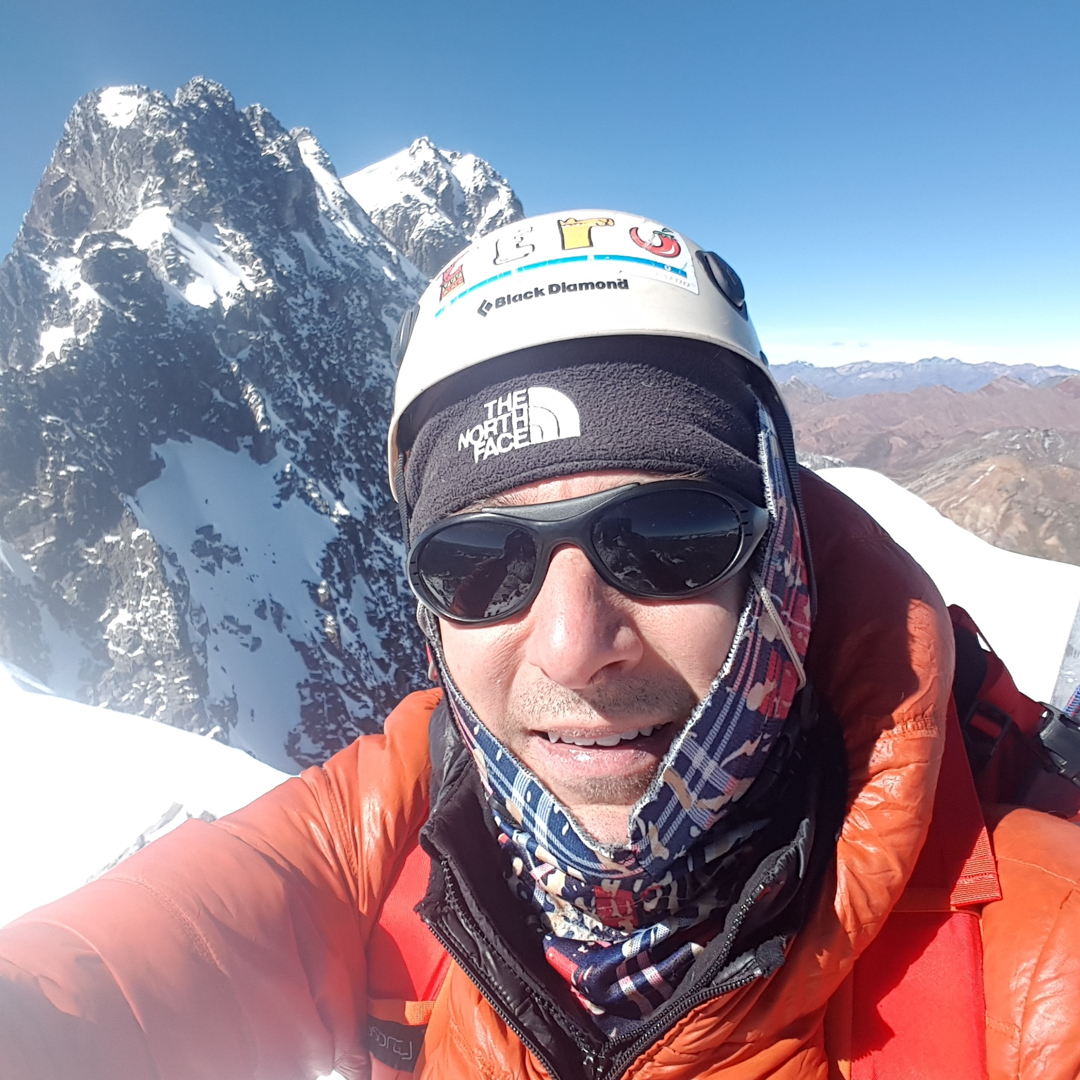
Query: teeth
{"points": [[607, 740]]}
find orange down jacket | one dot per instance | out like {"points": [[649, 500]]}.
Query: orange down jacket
{"points": [[240, 949]]}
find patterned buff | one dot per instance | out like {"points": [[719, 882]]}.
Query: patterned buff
{"points": [[621, 921]]}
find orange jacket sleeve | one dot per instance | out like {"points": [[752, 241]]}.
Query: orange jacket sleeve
{"points": [[234, 949], [1031, 951]]}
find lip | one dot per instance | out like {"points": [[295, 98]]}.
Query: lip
{"points": [[627, 758]]}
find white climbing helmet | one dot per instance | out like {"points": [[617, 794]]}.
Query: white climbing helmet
{"points": [[560, 277]]}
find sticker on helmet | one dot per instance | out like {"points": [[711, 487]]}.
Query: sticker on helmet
{"points": [[514, 247], [578, 234], [453, 277], [646, 250], [662, 243]]}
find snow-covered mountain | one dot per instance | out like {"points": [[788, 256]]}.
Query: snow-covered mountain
{"points": [[430, 203], [870, 377], [194, 385]]}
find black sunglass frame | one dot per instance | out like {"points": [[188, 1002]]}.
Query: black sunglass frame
{"points": [[570, 521]]}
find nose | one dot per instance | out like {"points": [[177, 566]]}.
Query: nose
{"points": [[579, 628]]}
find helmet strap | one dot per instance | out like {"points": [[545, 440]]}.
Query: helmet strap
{"points": [[402, 498]]}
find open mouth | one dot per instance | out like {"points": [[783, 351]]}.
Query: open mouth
{"points": [[618, 739]]}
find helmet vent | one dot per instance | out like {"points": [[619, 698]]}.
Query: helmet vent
{"points": [[725, 279]]}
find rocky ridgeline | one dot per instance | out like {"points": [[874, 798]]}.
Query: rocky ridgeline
{"points": [[195, 381], [880, 377]]}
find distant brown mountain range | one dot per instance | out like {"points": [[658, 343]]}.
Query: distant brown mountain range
{"points": [[1002, 461]]}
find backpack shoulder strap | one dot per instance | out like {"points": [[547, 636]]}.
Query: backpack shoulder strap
{"points": [[1021, 751]]}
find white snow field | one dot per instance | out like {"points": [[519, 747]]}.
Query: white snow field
{"points": [[1025, 607], [83, 786], [119, 105]]}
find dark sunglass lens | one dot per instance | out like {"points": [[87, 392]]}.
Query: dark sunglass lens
{"points": [[478, 569], [669, 542]]}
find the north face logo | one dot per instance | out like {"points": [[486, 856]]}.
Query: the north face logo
{"points": [[521, 418]]}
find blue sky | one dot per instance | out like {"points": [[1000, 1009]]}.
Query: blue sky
{"points": [[896, 176]]}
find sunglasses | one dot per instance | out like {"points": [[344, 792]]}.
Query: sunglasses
{"points": [[664, 540]]}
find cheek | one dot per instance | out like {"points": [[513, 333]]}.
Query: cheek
{"points": [[482, 661], [695, 637]]}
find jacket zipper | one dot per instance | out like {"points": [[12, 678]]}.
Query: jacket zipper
{"points": [[620, 1064], [481, 982], [644, 1039]]}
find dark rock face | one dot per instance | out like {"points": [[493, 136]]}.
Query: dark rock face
{"points": [[431, 203], [194, 386]]}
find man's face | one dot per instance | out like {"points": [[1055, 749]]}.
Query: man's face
{"points": [[587, 664]]}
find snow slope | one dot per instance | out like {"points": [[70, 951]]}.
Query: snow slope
{"points": [[83, 786], [1025, 607], [249, 611]]}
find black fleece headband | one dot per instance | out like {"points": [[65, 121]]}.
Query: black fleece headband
{"points": [[655, 404]]}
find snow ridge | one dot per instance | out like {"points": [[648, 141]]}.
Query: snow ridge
{"points": [[1026, 607], [114, 784]]}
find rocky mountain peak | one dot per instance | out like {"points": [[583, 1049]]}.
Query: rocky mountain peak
{"points": [[430, 203], [203, 93], [194, 386]]}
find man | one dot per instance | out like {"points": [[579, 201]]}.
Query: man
{"points": [[672, 812]]}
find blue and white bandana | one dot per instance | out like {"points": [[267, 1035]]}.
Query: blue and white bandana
{"points": [[624, 924]]}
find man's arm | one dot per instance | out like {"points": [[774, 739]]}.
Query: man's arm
{"points": [[227, 950]]}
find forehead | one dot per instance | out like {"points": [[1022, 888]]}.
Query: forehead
{"points": [[557, 488]]}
